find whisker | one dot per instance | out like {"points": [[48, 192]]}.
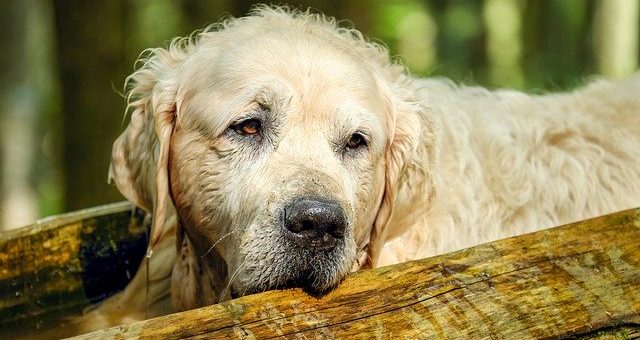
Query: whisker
{"points": [[370, 259], [233, 277], [216, 242]]}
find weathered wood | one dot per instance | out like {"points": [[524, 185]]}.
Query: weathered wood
{"points": [[614, 333], [61, 264], [579, 280]]}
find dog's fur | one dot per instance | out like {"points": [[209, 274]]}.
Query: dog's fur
{"points": [[444, 166]]}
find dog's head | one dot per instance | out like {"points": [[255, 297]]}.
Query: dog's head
{"points": [[279, 138]]}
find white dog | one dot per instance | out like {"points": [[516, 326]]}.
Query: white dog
{"points": [[281, 150]]}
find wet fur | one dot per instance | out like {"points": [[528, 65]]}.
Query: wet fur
{"points": [[448, 166]]}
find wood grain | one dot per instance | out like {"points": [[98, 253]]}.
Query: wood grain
{"points": [[579, 280], [62, 264]]}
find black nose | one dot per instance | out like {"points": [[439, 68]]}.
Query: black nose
{"points": [[314, 223]]}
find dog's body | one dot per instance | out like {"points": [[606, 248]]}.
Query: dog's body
{"points": [[283, 151], [512, 163]]}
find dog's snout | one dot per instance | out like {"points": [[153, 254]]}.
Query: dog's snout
{"points": [[315, 223]]}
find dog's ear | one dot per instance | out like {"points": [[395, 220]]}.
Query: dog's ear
{"points": [[139, 163], [411, 134]]}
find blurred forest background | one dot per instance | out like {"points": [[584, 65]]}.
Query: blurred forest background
{"points": [[64, 62]]}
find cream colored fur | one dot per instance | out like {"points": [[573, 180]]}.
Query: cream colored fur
{"points": [[447, 167], [510, 163]]}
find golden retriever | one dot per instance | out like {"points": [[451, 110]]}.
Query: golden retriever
{"points": [[281, 150]]}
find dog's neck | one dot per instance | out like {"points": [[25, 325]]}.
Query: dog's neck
{"points": [[196, 280]]}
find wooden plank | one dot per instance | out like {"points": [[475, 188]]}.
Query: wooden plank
{"points": [[581, 279], [614, 333], [63, 263]]}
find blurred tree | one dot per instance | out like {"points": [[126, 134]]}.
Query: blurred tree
{"points": [[616, 36], [150, 23], [200, 13], [410, 30], [90, 56], [460, 41], [28, 184], [503, 22], [557, 44], [18, 120]]}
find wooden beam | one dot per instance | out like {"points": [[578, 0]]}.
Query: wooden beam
{"points": [[581, 279], [58, 266]]}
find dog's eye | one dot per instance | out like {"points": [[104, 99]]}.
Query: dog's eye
{"points": [[356, 141], [249, 127]]}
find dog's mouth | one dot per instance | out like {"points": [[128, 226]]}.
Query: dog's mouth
{"points": [[307, 280], [315, 272]]}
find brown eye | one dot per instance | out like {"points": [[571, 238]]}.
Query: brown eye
{"points": [[356, 141], [248, 127]]}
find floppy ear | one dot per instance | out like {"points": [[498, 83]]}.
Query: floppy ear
{"points": [[412, 137], [139, 163]]}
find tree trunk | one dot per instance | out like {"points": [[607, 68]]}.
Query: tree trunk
{"points": [[616, 36], [28, 185], [90, 38], [503, 22]]}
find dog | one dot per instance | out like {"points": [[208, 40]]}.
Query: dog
{"points": [[282, 150]]}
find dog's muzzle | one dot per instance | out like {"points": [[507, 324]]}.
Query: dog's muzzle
{"points": [[314, 224]]}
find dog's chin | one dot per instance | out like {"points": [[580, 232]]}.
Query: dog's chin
{"points": [[316, 274], [305, 280]]}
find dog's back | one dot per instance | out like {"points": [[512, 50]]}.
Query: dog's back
{"points": [[511, 163]]}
